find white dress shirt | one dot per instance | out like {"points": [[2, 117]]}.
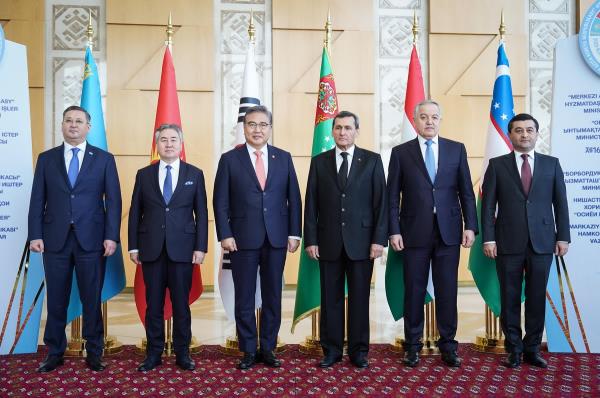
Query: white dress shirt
{"points": [[434, 147], [69, 153], [339, 159], [162, 173], [530, 158], [265, 157]]}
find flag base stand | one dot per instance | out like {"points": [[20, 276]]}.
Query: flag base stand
{"points": [[232, 344], [430, 334], [76, 345], [493, 341], [112, 346], [168, 351], [312, 344]]}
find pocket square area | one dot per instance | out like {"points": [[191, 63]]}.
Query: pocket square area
{"points": [[189, 183]]}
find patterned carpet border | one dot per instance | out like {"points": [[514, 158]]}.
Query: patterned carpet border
{"points": [[481, 375]]}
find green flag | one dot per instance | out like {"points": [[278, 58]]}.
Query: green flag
{"points": [[308, 290]]}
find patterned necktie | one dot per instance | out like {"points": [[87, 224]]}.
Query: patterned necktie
{"points": [[260, 170], [168, 186], [430, 160], [525, 174], [73, 167], [343, 172]]}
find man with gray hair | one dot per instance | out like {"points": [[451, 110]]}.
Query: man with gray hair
{"points": [[430, 194], [168, 233]]}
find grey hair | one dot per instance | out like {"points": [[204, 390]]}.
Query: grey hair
{"points": [[259, 109], [426, 102], [163, 127]]}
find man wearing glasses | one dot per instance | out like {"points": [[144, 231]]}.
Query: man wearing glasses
{"points": [[258, 216]]}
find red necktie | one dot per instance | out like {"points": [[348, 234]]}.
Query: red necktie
{"points": [[526, 174], [260, 170]]}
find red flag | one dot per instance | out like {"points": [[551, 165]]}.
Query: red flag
{"points": [[167, 112]]}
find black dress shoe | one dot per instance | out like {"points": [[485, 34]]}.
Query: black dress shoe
{"points": [[513, 360], [451, 359], [185, 362], [249, 359], [149, 363], [535, 359], [329, 360], [360, 362], [411, 358], [95, 363], [50, 363], [269, 359]]}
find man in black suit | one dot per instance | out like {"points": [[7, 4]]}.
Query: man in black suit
{"points": [[168, 233], [74, 221], [530, 224], [430, 193], [345, 229], [258, 216]]}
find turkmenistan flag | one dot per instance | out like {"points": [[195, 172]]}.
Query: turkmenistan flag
{"points": [[308, 291], [394, 270], [497, 144]]}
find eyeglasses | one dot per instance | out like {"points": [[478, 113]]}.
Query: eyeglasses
{"points": [[78, 122], [254, 125]]}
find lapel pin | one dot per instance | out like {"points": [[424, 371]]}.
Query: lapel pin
{"points": [[359, 159], [90, 153], [273, 156]]}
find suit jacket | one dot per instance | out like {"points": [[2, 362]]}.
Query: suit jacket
{"points": [[93, 204], [541, 217], [243, 211], [181, 225], [353, 217], [412, 194]]}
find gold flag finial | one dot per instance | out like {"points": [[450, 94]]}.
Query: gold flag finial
{"points": [[251, 30], [328, 30], [415, 27], [90, 31], [169, 41], [502, 28]]}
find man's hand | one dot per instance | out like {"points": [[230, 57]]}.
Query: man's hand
{"points": [[109, 247], [135, 258], [198, 257], [37, 245], [293, 245], [396, 242], [229, 244], [312, 251], [376, 251], [561, 248], [490, 250], [468, 238]]}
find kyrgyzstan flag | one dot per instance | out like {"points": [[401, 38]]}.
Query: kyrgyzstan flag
{"points": [[167, 112]]}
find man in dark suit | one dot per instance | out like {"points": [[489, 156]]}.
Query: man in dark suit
{"points": [[258, 215], [430, 193], [74, 220], [168, 234], [345, 229], [530, 224]]}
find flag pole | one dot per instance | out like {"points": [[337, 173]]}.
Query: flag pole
{"points": [[312, 343], [493, 341]]}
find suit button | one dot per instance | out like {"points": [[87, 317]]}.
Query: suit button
{"points": [[264, 193], [343, 195], [167, 209], [162, 226], [72, 196], [265, 209], [343, 209], [343, 224], [433, 190]]}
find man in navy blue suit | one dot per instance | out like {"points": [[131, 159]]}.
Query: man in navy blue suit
{"points": [[258, 215], [74, 220], [168, 233], [430, 194]]}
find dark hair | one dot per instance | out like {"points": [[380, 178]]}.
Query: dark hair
{"points": [[343, 114], [167, 126], [78, 108], [522, 117], [260, 109]]}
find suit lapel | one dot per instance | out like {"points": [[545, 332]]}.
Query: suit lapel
{"points": [[537, 170], [273, 160], [330, 162], [88, 157], [60, 163], [183, 169], [244, 158], [356, 166], [415, 152], [155, 184], [442, 160], [511, 165]]}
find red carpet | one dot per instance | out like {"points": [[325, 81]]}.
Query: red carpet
{"points": [[568, 375]]}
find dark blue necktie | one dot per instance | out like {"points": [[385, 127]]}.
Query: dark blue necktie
{"points": [[430, 160], [73, 167], [168, 186]]}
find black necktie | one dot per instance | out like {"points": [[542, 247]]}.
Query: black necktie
{"points": [[343, 172]]}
